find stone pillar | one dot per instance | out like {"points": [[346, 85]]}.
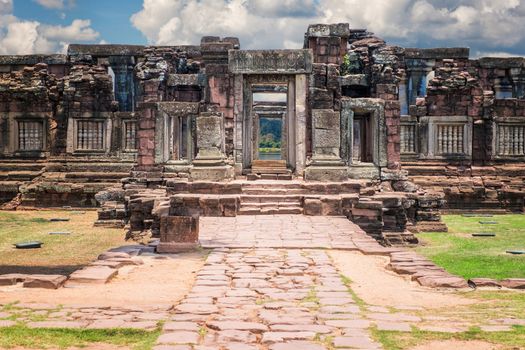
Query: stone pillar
{"points": [[301, 89], [146, 137], [209, 163], [178, 234], [326, 164]]}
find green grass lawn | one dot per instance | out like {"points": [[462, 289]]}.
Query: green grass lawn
{"points": [[392, 340], [43, 338], [59, 253], [461, 254]]}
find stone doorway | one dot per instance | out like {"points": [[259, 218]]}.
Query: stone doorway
{"points": [[277, 73], [270, 127]]}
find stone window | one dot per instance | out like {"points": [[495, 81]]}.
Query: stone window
{"points": [[511, 140], [90, 135], [30, 135], [130, 135], [408, 138], [503, 88], [450, 139], [362, 143], [445, 137]]}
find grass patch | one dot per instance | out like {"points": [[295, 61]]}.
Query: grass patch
{"points": [[42, 338], [461, 254], [393, 340], [60, 253], [359, 302], [311, 297]]}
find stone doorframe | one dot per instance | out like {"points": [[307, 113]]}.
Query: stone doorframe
{"points": [[288, 67], [287, 138], [165, 129], [251, 84], [376, 109]]}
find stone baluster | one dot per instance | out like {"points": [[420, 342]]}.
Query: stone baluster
{"points": [[459, 137], [440, 139], [521, 140]]}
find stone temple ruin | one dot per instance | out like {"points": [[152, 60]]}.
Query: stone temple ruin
{"points": [[350, 126]]}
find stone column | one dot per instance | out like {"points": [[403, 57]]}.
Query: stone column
{"points": [[301, 89], [326, 164], [209, 164]]}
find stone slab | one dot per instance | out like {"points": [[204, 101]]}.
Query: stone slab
{"points": [[92, 274], [44, 281]]}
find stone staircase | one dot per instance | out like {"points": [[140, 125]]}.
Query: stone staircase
{"points": [[16, 173], [72, 183], [269, 198]]}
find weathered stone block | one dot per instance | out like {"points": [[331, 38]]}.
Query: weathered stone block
{"points": [[179, 229], [312, 207]]}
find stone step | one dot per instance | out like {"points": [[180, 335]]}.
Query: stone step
{"points": [[97, 176], [272, 204], [20, 175], [305, 187], [254, 210], [21, 166], [271, 191], [270, 198]]}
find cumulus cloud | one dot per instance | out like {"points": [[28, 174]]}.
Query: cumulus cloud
{"points": [[483, 25], [19, 36]]}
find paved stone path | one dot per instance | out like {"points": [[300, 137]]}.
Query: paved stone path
{"points": [[266, 298], [282, 231]]}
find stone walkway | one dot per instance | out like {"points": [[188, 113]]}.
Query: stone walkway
{"points": [[282, 231], [265, 298]]}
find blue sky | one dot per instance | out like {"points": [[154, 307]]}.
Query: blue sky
{"points": [[488, 27], [111, 18]]}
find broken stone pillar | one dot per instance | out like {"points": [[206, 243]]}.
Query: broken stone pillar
{"points": [[326, 164], [209, 164], [178, 234]]}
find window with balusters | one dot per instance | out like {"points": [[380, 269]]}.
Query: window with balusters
{"points": [[90, 135], [408, 139], [510, 140], [450, 139], [30, 135], [130, 135]]}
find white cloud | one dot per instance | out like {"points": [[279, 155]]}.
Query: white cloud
{"points": [[51, 4], [19, 36], [56, 4], [483, 25], [6, 7], [258, 23]]}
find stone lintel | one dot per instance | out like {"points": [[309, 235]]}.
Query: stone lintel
{"points": [[336, 29], [438, 53], [270, 61], [29, 60], [186, 79], [354, 80], [105, 50], [179, 108], [501, 62]]}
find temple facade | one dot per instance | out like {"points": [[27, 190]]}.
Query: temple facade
{"points": [[347, 109]]}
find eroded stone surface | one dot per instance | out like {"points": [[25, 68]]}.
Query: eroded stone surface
{"points": [[277, 298]]}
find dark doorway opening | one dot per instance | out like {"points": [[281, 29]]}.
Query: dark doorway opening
{"points": [[362, 150]]}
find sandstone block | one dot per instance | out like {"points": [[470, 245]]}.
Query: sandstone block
{"points": [[44, 281]]}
